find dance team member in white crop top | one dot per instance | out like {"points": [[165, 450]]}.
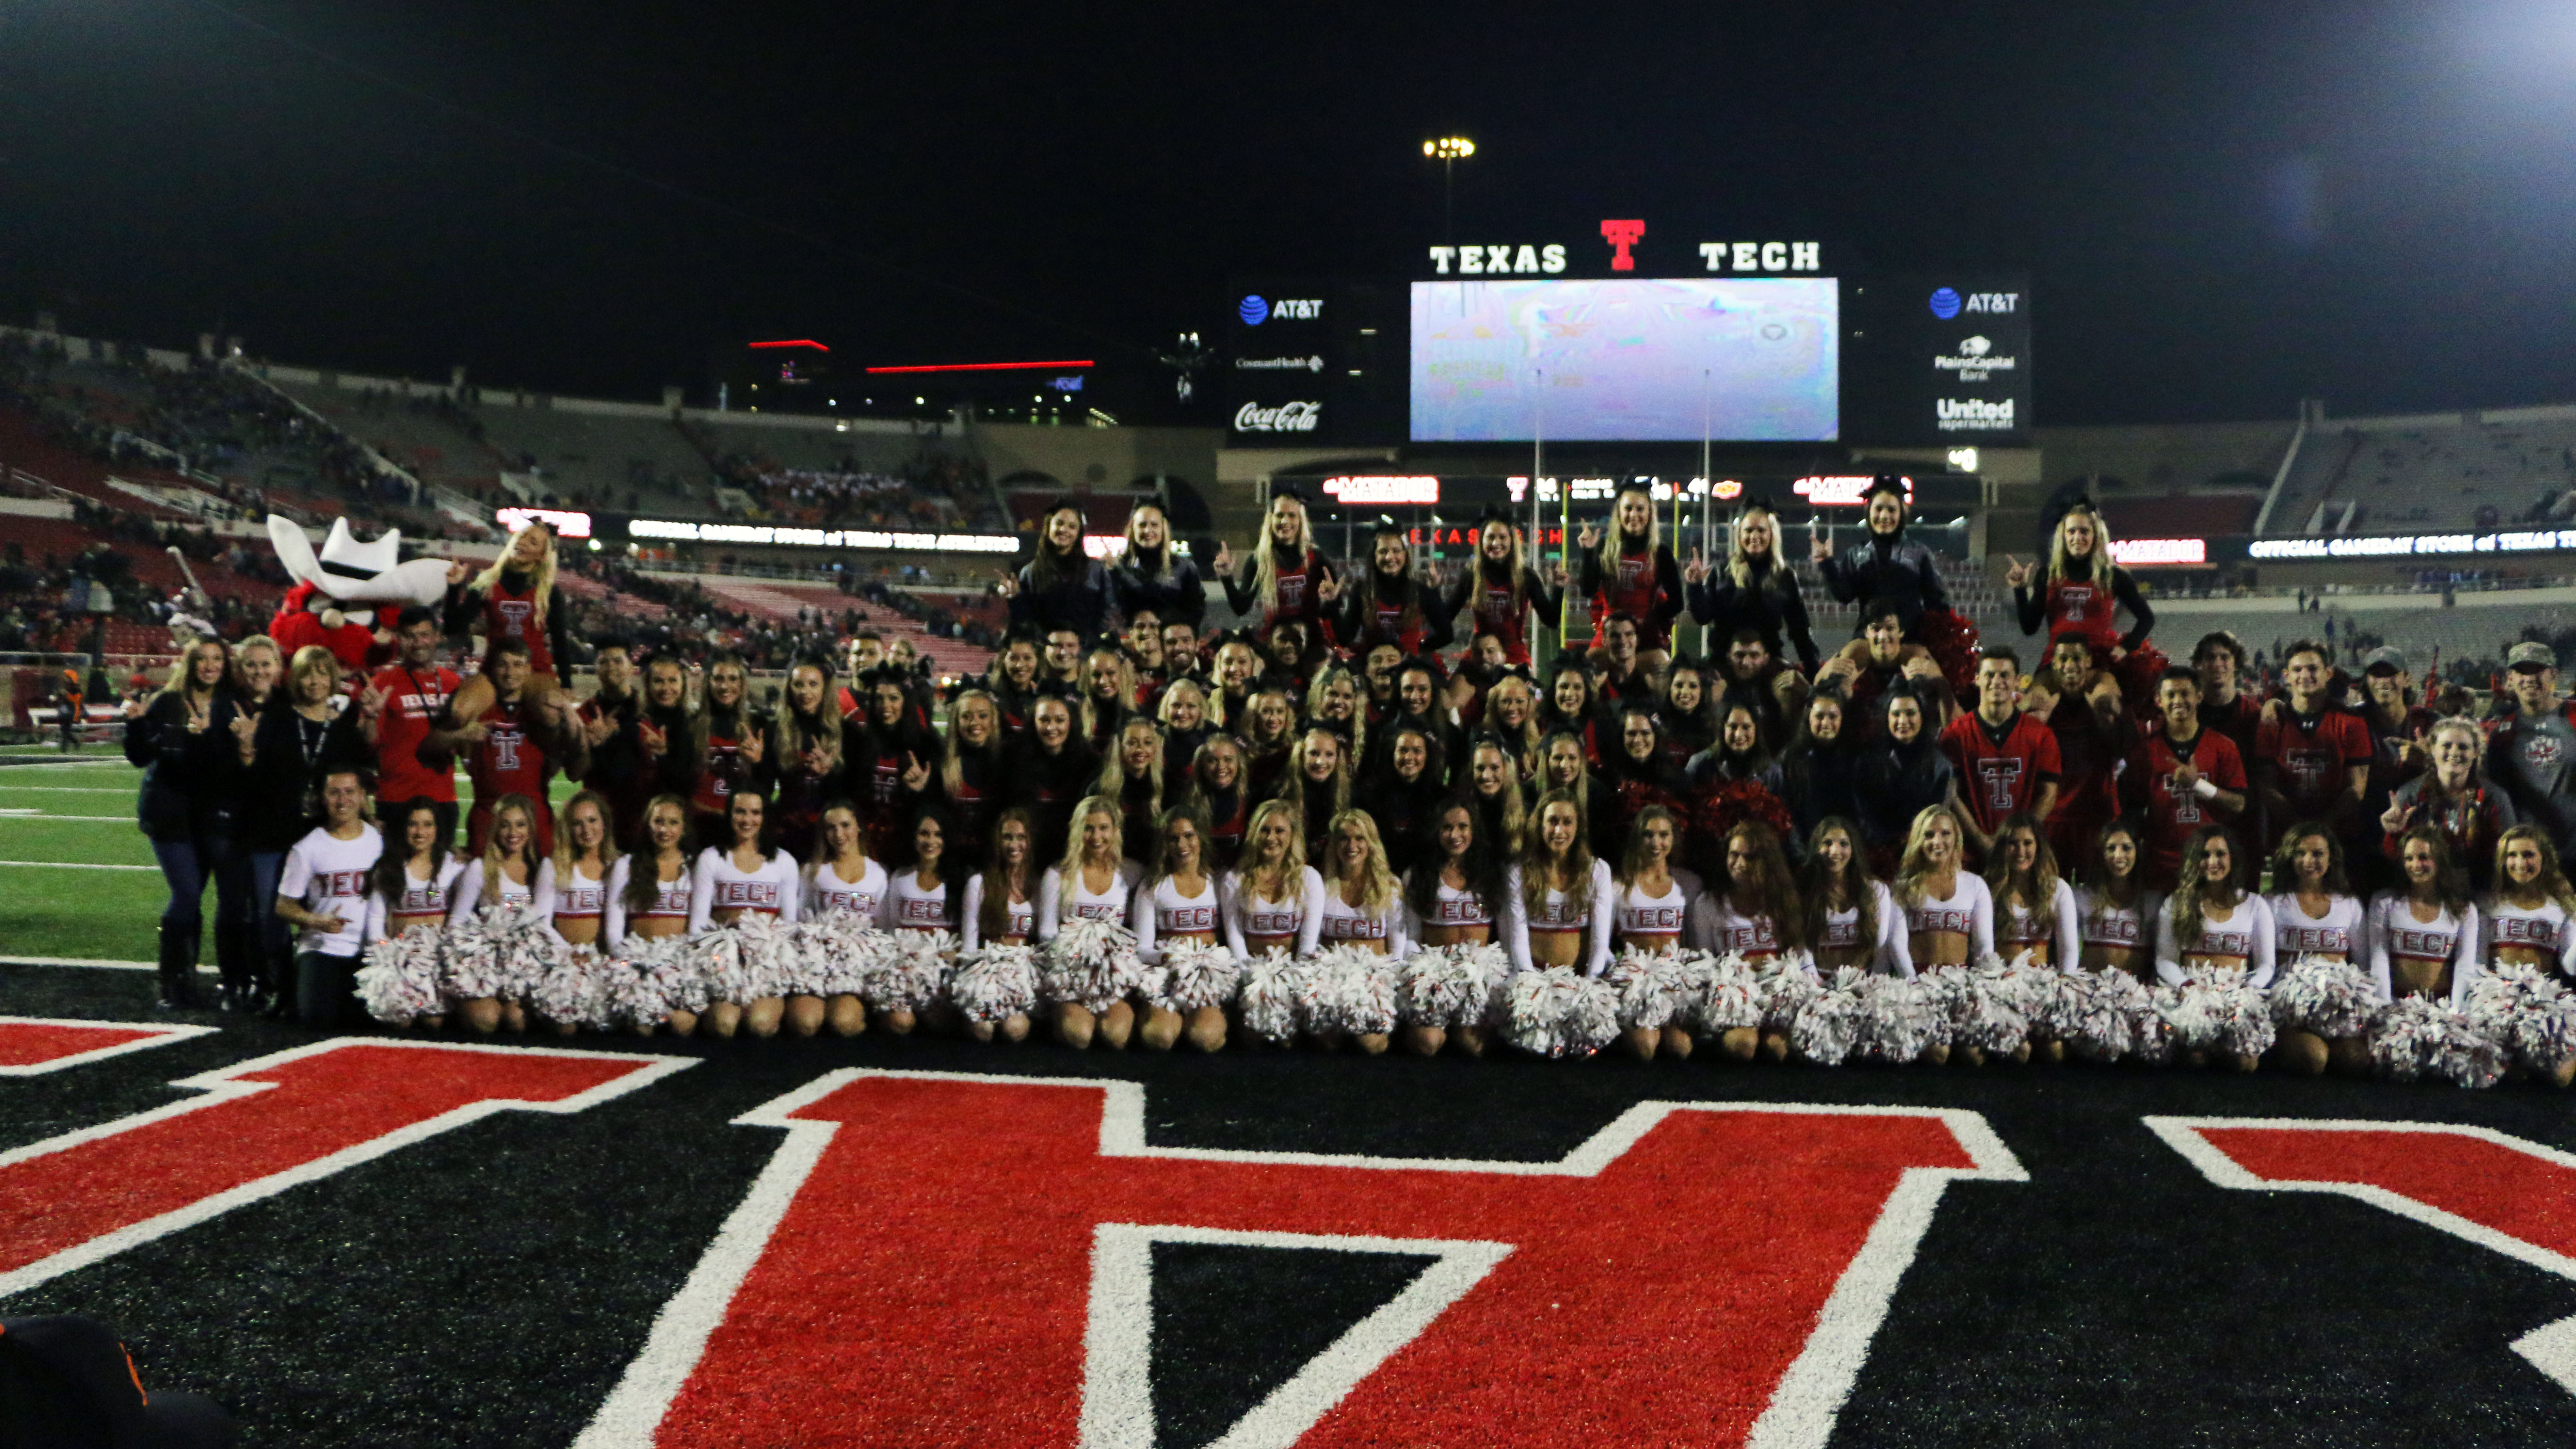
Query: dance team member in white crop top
{"points": [[2213, 922], [2115, 913], [1178, 903], [2424, 934], [748, 876], [1650, 904], [1002, 906], [2530, 918], [1452, 898], [1753, 913], [415, 881], [648, 892], [572, 884], [1362, 905], [1852, 920], [840, 879], [1273, 901], [1094, 881], [917, 905], [504, 879], [2034, 908], [1949, 914], [1558, 898], [2315, 914]]}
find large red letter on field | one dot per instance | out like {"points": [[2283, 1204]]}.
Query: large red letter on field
{"points": [[960, 1260], [33, 1045], [2497, 1191], [264, 1126]]}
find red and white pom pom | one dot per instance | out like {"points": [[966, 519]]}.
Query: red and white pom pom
{"points": [[1730, 999], [996, 982], [911, 972], [1984, 1007], [1787, 981], [470, 960], [2527, 1012], [2103, 1012], [1196, 977], [1827, 1026], [1350, 989], [649, 978], [580, 989], [399, 981], [529, 949], [1271, 986], [1091, 964], [1449, 986], [1560, 1013], [2216, 1011], [2418, 1037], [2324, 995], [2044, 994], [1644, 1003], [1898, 1020]]}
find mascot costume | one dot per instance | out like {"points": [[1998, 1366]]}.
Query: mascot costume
{"points": [[339, 594]]}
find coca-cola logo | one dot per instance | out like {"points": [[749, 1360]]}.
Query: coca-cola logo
{"points": [[1294, 417]]}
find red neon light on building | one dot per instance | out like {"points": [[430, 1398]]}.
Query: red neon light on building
{"points": [[982, 366], [799, 342]]}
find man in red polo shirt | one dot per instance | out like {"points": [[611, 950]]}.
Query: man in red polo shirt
{"points": [[414, 689], [2181, 777], [2007, 759]]}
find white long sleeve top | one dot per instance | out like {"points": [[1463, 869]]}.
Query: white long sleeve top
{"points": [[583, 899], [828, 893], [1342, 922], [1653, 923], [2018, 929], [469, 897], [2244, 932], [670, 897], [719, 884], [1159, 910], [422, 902], [1968, 910], [1556, 914], [2342, 931], [910, 908], [1450, 908], [1059, 899], [2543, 928], [1023, 916], [1891, 952], [2398, 942], [1256, 927]]}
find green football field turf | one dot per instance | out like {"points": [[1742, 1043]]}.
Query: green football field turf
{"points": [[57, 822]]}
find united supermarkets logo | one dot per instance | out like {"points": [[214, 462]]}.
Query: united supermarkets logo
{"points": [[1975, 415]]}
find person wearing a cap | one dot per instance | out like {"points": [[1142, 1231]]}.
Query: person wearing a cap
{"points": [[1060, 587], [65, 1380], [2398, 724], [2532, 753]]}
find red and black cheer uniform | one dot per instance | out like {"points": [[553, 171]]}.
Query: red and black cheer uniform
{"points": [[1402, 612], [508, 760], [2172, 816], [509, 610], [711, 797], [1298, 575], [1498, 611], [2002, 768], [2078, 603], [1645, 586]]}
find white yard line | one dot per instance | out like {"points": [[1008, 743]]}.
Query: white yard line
{"points": [[71, 865]]}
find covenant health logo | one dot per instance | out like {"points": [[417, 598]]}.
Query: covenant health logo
{"points": [[1255, 311], [1945, 304]]}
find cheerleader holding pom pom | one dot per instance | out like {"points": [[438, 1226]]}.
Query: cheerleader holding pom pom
{"points": [[1092, 883], [1451, 903], [1753, 916], [924, 924], [648, 900], [1175, 917], [1949, 913], [1362, 911], [2530, 922], [997, 988], [500, 884], [1852, 919], [749, 876], [2035, 913], [2215, 936], [414, 886], [2323, 999], [1653, 903]]}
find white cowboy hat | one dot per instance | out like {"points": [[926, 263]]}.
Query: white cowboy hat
{"points": [[358, 575]]}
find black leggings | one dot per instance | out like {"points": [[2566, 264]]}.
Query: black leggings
{"points": [[326, 988]]}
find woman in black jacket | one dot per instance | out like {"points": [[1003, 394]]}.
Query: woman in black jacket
{"points": [[1900, 772], [1753, 588], [1818, 773], [1062, 587], [281, 753], [1150, 579], [185, 813]]}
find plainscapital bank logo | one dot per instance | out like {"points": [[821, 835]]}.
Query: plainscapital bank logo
{"points": [[1279, 364], [1975, 361], [1293, 417]]}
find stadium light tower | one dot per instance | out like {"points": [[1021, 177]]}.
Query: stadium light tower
{"points": [[1449, 151]]}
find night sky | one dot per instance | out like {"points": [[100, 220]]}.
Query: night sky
{"points": [[2223, 207]]}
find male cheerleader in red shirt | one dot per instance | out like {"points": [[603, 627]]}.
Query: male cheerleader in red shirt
{"points": [[515, 746], [2007, 758], [2181, 777]]}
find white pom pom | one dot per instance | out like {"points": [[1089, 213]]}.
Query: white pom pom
{"points": [[1197, 976], [1730, 998], [1983, 1006], [1091, 964], [1827, 1025], [1560, 1013], [996, 982], [1787, 982], [1645, 999], [2044, 994], [1449, 986], [2528, 1013], [1898, 1019], [2320, 994], [580, 989], [2216, 1011], [1271, 985], [1349, 989], [400, 979], [910, 972], [2102, 1012]]}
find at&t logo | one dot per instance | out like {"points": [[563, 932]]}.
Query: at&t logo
{"points": [[1947, 302], [1256, 310]]}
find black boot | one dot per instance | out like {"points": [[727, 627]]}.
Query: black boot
{"points": [[178, 967], [236, 992]]}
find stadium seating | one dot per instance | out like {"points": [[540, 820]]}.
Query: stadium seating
{"points": [[2444, 473]]}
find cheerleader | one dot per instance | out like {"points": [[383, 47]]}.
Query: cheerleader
{"points": [[2080, 592], [1132, 775], [748, 876], [2213, 922], [842, 879], [1274, 901], [798, 764], [648, 892], [1216, 795], [1182, 712], [515, 598], [2455, 797], [1094, 881], [1269, 734], [1557, 895], [1511, 716], [1319, 785], [969, 780], [1650, 901], [1391, 605], [1178, 902], [1361, 904], [2115, 913], [1061, 587], [1237, 666], [1631, 572], [1754, 589], [2527, 921], [885, 753], [918, 904], [721, 730], [1851, 919], [1753, 914], [1453, 897], [1573, 707], [1562, 767], [1151, 578], [2424, 934], [1049, 770], [1106, 688], [2316, 914], [1285, 575], [1493, 788], [1502, 589], [572, 884], [503, 880], [1949, 913], [1001, 908], [1885, 564], [1333, 703], [414, 882], [2034, 906]]}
